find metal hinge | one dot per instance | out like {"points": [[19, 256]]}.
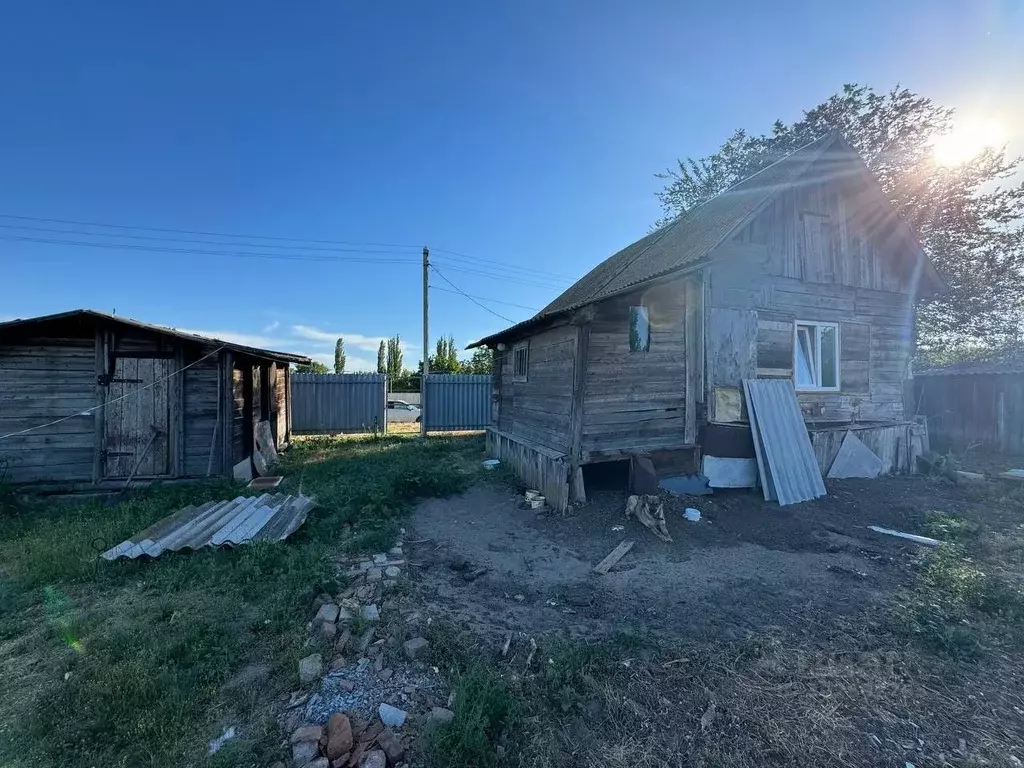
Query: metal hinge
{"points": [[103, 380]]}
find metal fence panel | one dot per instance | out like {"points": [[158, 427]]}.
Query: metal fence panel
{"points": [[338, 402], [458, 401]]}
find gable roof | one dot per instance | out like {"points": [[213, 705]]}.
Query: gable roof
{"points": [[92, 314], [688, 240]]}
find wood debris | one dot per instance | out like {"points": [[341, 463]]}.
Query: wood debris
{"points": [[613, 557]]}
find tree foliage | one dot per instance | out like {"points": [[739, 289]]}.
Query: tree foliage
{"points": [[480, 362], [446, 356], [394, 357], [968, 217], [314, 367], [382, 359], [339, 355]]}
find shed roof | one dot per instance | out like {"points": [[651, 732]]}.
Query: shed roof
{"points": [[1011, 362], [92, 314], [688, 240]]}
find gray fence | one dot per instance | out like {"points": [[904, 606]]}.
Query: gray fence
{"points": [[338, 402], [458, 401]]}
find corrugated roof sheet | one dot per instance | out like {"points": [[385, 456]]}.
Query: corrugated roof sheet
{"points": [[789, 470], [689, 239], [1010, 363], [193, 337], [270, 517]]}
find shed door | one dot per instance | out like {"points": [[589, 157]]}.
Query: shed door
{"points": [[136, 425]]}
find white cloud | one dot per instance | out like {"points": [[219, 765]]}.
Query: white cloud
{"points": [[352, 340], [245, 339], [272, 327], [352, 364]]}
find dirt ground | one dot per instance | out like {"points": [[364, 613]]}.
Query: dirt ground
{"points": [[763, 635], [747, 565]]}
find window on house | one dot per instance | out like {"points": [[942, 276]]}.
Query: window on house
{"points": [[520, 362], [816, 356], [639, 329]]}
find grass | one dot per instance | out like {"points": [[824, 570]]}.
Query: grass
{"points": [[133, 663]]}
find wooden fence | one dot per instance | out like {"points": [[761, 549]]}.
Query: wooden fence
{"points": [[973, 409]]}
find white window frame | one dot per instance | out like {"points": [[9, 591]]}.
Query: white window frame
{"points": [[525, 348], [817, 325]]}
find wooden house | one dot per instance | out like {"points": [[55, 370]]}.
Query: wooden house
{"points": [[802, 270], [89, 400]]}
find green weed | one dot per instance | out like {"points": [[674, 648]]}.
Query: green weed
{"points": [[126, 661]]}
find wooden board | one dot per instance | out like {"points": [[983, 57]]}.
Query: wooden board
{"points": [[613, 557]]}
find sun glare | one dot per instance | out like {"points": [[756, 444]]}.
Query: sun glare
{"points": [[965, 142]]}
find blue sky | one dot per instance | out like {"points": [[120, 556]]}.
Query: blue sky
{"points": [[523, 134]]}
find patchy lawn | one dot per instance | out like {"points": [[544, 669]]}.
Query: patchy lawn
{"points": [[143, 663]]}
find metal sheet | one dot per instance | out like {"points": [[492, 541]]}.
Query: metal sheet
{"points": [[458, 401], [270, 517], [338, 402], [785, 453]]}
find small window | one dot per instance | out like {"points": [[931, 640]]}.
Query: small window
{"points": [[520, 362], [816, 356], [639, 329]]}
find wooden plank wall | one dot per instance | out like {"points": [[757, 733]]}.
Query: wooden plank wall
{"points": [[544, 470], [981, 410], [876, 340], [828, 232], [279, 374], [635, 401], [43, 379], [237, 416], [200, 418], [538, 409]]}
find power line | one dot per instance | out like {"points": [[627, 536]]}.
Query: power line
{"points": [[198, 232], [496, 276], [456, 256], [125, 232], [459, 290], [484, 298], [165, 239], [204, 252], [134, 392]]}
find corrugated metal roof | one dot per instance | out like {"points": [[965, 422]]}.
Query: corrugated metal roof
{"points": [[789, 471], [687, 241], [270, 517], [193, 337], [1009, 363]]}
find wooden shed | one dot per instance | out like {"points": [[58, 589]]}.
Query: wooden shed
{"points": [[974, 404], [803, 271], [88, 400]]}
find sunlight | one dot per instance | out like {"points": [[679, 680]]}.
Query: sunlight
{"points": [[966, 141]]}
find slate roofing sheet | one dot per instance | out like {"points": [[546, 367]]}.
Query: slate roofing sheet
{"points": [[270, 517], [689, 239], [785, 457]]}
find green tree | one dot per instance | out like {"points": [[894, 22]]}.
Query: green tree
{"points": [[480, 363], [446, 357], [313, 367], [394, 357], [382, 364], [339, 355], [967, 216]]}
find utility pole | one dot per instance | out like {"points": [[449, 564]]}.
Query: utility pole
{"points": [[426, 345]]}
